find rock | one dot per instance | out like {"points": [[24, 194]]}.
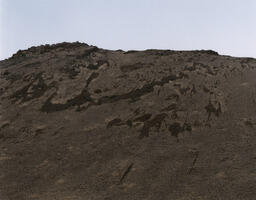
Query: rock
{"points": [[80, 122]]}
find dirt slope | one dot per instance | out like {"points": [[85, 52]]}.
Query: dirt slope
{"points": [[82, 123]]}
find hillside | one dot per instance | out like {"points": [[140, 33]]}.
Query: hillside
{"points": [[79, 122]]}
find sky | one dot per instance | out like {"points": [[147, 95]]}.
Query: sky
{"points": [[226, 26]]}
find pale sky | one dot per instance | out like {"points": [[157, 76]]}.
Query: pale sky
{"points": [[226, 26]]}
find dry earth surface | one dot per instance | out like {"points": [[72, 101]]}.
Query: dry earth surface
{"points": [[82, 123]]}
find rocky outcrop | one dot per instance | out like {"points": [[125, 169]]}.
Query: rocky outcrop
{"points": [[80, 122]]}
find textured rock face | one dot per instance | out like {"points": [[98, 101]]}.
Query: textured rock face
{"points": [[79, 122]]}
